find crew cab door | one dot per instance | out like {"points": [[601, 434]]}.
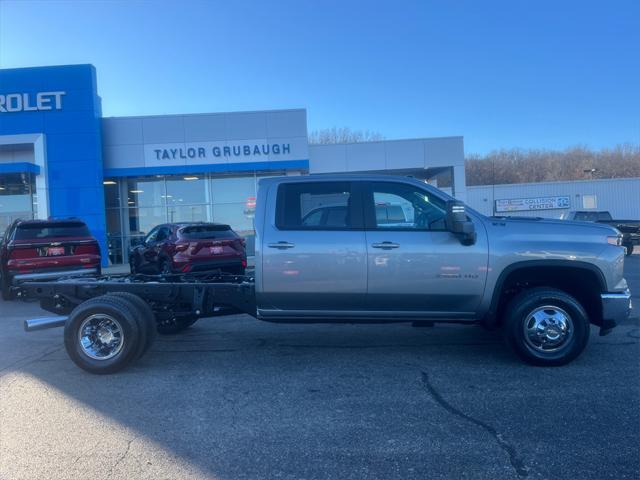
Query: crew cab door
{"points": [[414, 264], [312, 250]]}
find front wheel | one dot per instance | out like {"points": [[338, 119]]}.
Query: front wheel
{"points": [[629, 248], [546, 327]]}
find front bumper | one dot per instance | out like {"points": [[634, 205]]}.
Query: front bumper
{"points": [[616, 308]]}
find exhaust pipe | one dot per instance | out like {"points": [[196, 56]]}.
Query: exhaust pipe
{"points": [[44, 323]]}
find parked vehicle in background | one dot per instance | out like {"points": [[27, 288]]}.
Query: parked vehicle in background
{"points": [[630, 229], [190, 247], [45, 250]]}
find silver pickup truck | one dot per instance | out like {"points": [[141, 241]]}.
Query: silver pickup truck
{"points": [[368, 248]]}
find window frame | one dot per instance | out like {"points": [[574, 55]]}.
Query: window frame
{"points": [[355, 213], [370, 221]]}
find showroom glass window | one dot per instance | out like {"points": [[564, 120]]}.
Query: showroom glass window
{"points": [[234, 202], [112, 200], [136, 205], [187, 199], [17, 198], [146, 205]]}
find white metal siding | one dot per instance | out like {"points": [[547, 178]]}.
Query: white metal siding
{"points": [[620, 196]]}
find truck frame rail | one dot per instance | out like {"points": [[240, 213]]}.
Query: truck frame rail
{"points": [[199, 295]]}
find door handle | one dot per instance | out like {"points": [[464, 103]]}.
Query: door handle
{"points": [[281, 245], [385, 245]]}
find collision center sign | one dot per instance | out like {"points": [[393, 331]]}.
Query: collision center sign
{"points": [[528, 204]]}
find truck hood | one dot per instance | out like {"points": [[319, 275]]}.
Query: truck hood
{"points": [[566, 227]]}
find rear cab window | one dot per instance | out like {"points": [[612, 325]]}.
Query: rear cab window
{"points": [[47, 231], [318, 206]]}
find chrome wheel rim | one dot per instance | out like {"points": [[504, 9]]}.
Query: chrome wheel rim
{"points": [[101, 336], [548, 329]]}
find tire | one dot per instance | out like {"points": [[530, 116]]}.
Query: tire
{"points": [[549, 344], [176, 325], [629, 248], [146, 319], [119, 315]]}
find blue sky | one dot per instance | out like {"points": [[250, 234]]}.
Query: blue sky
{"points": [[530, 74]]}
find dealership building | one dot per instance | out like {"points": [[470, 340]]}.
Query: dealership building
{"points": [[60, 158]]}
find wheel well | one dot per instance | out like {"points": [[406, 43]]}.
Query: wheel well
{"points": [[581, 283]]}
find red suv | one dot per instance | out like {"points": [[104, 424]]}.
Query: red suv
{"points": [[46, 249], [190, 247]]}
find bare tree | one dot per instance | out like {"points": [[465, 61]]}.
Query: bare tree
{"points": [[332, 135], [575, 163]]}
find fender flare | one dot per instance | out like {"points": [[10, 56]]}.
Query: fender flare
{"points": [[491, 319]]}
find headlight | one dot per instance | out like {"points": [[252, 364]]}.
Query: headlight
{"points": [[615, 240]]}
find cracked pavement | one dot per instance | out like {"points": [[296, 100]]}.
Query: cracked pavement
{"points": [[237, 398]]}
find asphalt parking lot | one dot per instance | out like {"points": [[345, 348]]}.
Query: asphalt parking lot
{"points": [[237, 398]]}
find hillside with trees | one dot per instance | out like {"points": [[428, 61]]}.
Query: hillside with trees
{"points": [[576, 163], [326, 136], [519, 165]]}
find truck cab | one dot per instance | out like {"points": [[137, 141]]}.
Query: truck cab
{"points": [[341, 248], [373, 248]]}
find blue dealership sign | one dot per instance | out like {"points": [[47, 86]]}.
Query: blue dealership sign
{"points": [[61, 105]]}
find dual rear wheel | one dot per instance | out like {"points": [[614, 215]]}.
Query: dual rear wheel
{"points": [[108, 333]]}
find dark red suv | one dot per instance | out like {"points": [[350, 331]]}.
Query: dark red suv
{"points": [[46, 249], [190, 247]]}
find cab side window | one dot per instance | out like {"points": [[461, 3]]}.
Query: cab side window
{"points": [[399, 206], [315, 206]]}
